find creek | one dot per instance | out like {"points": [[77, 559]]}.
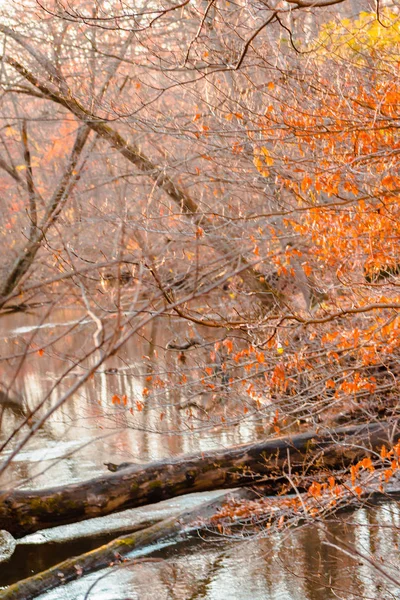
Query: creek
{"points": [[98, 425]]}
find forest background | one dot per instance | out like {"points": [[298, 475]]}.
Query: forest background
{"points": [[220, 180]]}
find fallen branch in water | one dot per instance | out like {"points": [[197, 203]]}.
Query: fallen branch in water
{"points": [[26, 511], [238, 514], [115, 552]]}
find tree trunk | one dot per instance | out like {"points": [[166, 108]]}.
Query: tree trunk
{"points": [[269, 297], [26, 511], [114, 552]]}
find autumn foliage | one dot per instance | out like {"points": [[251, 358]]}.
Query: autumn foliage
{"points": [[243, 187]]}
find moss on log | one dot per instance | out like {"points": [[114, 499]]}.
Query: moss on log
{"points": [[114, 553], [26, 511]]}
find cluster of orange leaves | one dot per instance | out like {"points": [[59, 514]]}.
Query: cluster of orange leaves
{"points": [[318, 497], [387, 457], [119, 399], [123, 401]]}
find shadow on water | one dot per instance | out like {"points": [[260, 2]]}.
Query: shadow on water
{"points": [[93, 428], [294, 566], [29, 559]]}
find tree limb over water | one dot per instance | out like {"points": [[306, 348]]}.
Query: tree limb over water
{"points": [[115, 552], [26, 511]]}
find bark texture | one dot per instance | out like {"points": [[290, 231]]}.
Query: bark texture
{"points": [[26, 511], [114, 553]]}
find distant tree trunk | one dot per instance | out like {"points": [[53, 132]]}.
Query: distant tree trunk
{"points": [[26, 511], [257, 285]]}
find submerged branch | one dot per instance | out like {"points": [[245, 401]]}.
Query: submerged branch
{"points": [[115, 552]]}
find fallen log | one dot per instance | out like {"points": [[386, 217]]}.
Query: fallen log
{"points": [[114, 553], [26, 511], [227, 513]]}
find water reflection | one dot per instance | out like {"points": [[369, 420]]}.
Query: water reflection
{"points": [[296, 566], [112, 417], [93, 428]]}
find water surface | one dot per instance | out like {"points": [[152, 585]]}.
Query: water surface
{"points": [[92, 428]]}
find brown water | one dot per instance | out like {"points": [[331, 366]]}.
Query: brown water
{"points": [[90, 429], [295, 567]]}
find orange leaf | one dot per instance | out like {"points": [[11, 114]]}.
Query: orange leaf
{"points": [[260, 357], [315, 489], [228, 344], [338, 490], [367, 463], [305, 184], [269, 161], [353, 472], [396, 448], [388, 474], [237, 148]]}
